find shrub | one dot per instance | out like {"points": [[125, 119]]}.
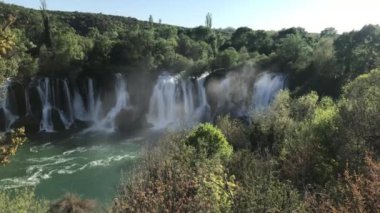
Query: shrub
{"points": [[10, 143], [72, 203], [209, 141], [171, 179], [234, 131], [259, 189], [21, 200], [352, 193]]}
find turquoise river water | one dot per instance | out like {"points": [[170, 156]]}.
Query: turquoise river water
{"points": [[90, 166]]}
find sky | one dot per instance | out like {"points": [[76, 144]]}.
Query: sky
{"points": [[313, 15]]}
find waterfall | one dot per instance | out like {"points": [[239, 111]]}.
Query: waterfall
{"points": [[233, 94], [265, 89], [92, 112], [175, 102], [10, 118], [172, 102], [68, 115], [202, 112], [44, 91], [107, 123], [162, 105]]}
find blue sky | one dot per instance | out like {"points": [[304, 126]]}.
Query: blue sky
{"points": [[313, 15]]}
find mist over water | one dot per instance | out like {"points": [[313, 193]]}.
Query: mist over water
{"points": [[177, 102], [265, 90], [107, 123]]}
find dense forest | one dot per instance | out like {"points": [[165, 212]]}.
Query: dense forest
{"points": [[315, 149]]}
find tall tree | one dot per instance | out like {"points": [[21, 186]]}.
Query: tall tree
{"points": [[209, 20], [47, 30], [151, 20]]}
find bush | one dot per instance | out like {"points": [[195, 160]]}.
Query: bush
{"points": [[209, 141], [10, 143], [72, 203], [259, 189], [171, 179], [21, 200], [352, 193], [234, 131], [359, 110]]}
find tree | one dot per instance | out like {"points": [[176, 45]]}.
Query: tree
{"points": [[47, 37], [240, 37], [357, 52], [324, 60], [209, 141], [294, 53], [10, 143], [150, 20], [260, 41], [329, 32], [226, 59], [6, 36], [208, 22], [360, 117]]}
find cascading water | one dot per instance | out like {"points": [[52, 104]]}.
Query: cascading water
{"points": [[93, 110], [172, 102], [10, 118], [266, 88], [202, 112], [107, 123], [241, 93], [44, 91], [175, 102], [67, 115], [162, 106]]}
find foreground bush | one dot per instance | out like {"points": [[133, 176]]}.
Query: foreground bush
{"points": [[72, 203], [234, 131], [259, 188], [10, 143], [20, 201], [352, 193], [171, 178], [209, 141]]}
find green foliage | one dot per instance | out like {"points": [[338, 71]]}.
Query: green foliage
{"points": [[234, 131], [171, 178], [10, 143], [6, 37], [260, 41], [240, 37], [294, 53], [352, 192], [329, 32], [22, 200], [358, 52], [68, 48], [208, 22], [360, 117], [301, 133], [227, 59], [324, 60], [209, 141], [13, 57], [259, 188]]}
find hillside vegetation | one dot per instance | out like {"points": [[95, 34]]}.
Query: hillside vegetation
{"points": [[315, 149]]}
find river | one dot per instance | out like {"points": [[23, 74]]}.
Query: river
{"points": [[89, 166]]}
